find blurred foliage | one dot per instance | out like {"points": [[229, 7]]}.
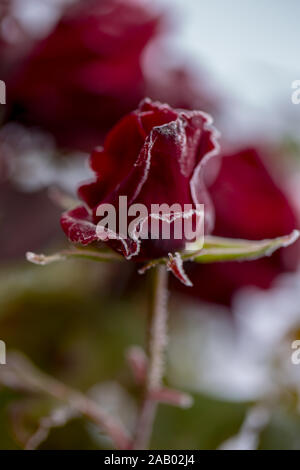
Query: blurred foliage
{"points": [[283, 432], [7, 440], [74, 321], [204, 426]]}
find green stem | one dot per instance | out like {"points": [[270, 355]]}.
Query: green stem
{"points": [[157, 342]]}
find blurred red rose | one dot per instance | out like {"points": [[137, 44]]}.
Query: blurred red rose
{"points": [[78, 81], [154, 155], [249, 204]]}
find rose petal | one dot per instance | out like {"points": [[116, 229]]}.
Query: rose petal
{"points": [[78, 226], [175, 265]]}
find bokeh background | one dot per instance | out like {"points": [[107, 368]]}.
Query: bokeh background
{"points": [[72, 69]]}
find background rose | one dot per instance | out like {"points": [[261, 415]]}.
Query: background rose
{"points": [[250, 204], [87, 73], [90, 70], [155, 155]]}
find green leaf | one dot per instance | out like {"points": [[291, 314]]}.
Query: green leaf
{"points": [[217, 249], [214, 249]]}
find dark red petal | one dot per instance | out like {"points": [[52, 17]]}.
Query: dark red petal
{"points": [[124, 141], [248, 201], [176, 158], [78, 226], [113, 163], [92, 193]]}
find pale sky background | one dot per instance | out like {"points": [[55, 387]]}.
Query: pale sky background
{"points": [[252, 50], [237, 38]]}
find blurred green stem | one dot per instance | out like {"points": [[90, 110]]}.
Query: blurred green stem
{"points": [[156, 345]]}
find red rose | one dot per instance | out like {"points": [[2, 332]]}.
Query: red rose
{"points": [[248, 204], [86, 74], [155, 155]]}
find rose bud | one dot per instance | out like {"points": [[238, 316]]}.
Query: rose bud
{"points": [[154, 155]]}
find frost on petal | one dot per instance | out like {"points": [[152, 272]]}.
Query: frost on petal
{"points": [[78, 226], [175, 265], [126, 246], [153, 157]]}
